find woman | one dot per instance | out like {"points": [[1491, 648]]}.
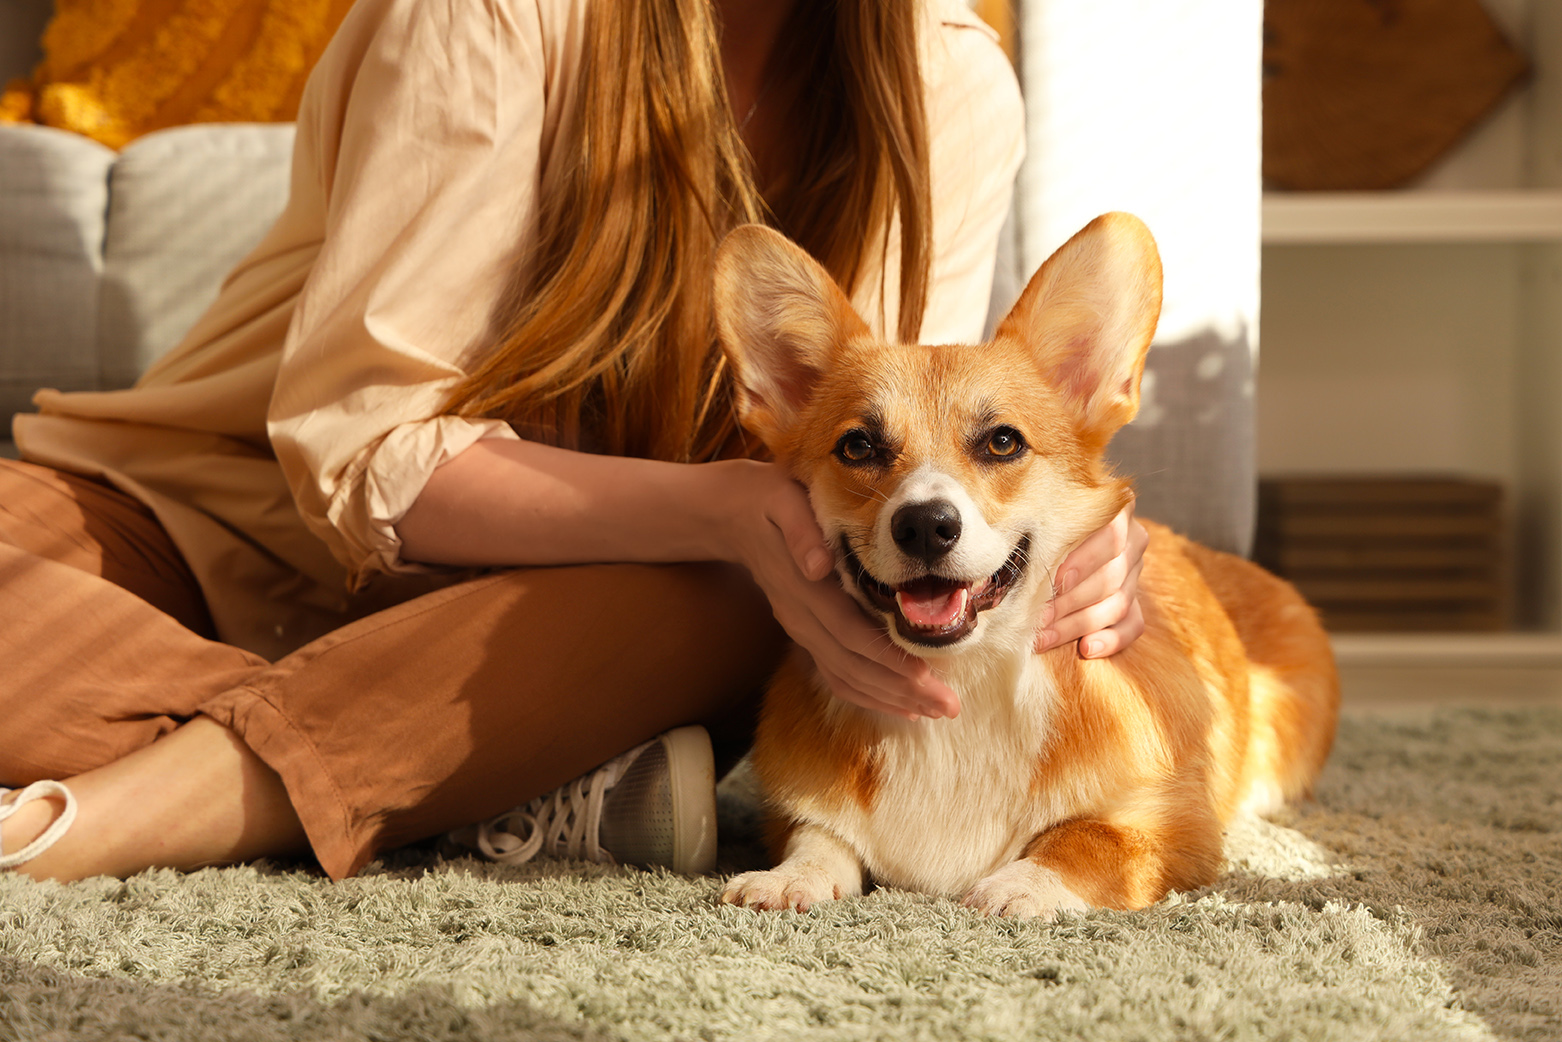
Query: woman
{"points": [[270, 601]]}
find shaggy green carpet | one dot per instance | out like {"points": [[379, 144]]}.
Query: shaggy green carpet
{"points": [[1419, 898]]}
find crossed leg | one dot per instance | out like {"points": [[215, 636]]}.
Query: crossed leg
{"points": [[446, 709]]}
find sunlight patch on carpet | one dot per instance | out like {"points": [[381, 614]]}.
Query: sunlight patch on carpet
{"points": [[1262, 848]]}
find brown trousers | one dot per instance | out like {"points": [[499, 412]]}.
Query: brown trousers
{"points": [[444, 710]]}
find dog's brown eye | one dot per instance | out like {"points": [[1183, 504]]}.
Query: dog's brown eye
{"points": [[854, 447], [1005, 442]]}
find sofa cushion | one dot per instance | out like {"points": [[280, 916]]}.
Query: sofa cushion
{"points": [[186, 205], [1190, 450], [53, 202]]}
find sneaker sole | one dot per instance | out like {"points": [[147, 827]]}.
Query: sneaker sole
{"points": [[691, 763]]}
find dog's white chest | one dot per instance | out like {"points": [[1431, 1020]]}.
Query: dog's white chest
{"points": [[956, 798]]}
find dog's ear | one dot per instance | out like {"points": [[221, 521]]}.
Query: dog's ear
{"points": [[779, 315], [1088, 316]]}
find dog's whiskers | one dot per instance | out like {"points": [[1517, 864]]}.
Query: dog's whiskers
{"points": [[882, 639], [1052, 580]]}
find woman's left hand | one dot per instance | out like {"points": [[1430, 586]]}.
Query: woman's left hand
{"points": [[1096, 601]]}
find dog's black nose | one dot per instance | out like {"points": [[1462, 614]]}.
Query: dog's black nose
{"points": [[926, 530]]}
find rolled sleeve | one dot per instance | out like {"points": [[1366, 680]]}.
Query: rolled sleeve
{"points": [[394, 472], [422, 145]]}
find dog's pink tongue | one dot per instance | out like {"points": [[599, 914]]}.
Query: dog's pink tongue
{"points": [[932, 609]]}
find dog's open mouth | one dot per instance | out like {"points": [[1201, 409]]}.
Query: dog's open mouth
{"points": [[935, 611]]}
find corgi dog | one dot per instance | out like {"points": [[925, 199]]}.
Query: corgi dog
{"points": [[951, 481]]}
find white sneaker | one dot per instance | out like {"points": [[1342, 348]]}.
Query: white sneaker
{"points": [[51, 835], [654, 805]]}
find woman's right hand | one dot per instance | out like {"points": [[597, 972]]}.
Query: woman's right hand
{"points": [[770, 529]]}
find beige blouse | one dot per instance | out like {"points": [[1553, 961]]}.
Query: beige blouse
{"points": [[283, 439]]}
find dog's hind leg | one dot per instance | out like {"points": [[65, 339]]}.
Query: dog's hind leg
{"points": [[1093, 863], [1295, 687]]}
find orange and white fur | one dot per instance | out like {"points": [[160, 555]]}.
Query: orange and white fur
{"points": [[951, 482]]}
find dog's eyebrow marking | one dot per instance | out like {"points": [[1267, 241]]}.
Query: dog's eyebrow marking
{"points": [[873, 420], [987, 415]]}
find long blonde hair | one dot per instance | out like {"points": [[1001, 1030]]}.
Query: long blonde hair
{"points": [[612, 344]]}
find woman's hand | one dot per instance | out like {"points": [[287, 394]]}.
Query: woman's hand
{"points": [[1096, 601], [773, 533]]}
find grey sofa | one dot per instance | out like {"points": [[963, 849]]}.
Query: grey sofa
{"points": [[107, 258]]}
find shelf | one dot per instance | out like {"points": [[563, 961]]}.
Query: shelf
{"points": [[1514, 650], [1412, 217]]}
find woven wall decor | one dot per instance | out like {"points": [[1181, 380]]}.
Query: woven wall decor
{"points": [[1362, 94]]}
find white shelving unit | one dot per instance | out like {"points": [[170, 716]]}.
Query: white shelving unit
{"points": [[1492, 216], [1518, 650], [1420, 331]]}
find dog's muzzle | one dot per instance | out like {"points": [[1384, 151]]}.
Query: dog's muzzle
{"points": [[932, 610]]}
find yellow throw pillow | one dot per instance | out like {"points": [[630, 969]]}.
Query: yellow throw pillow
{"points": [[116, 69]]}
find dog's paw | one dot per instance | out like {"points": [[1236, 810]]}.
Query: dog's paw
{"points": [[1023, 890], [798, 887]]}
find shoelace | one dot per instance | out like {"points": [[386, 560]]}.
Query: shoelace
{"points": [[56, 829], [565, 823]]}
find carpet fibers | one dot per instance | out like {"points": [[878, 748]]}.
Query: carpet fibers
{"points": [[1419, 898]]}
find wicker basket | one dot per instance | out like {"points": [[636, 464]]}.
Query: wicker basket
{"points": [[1389, 553]]}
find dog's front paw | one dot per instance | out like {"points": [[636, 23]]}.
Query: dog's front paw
{"points": [[1023, 890], [798, 887]]}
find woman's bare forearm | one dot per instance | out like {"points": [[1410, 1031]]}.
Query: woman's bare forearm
{"points": [[504, 503]]}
